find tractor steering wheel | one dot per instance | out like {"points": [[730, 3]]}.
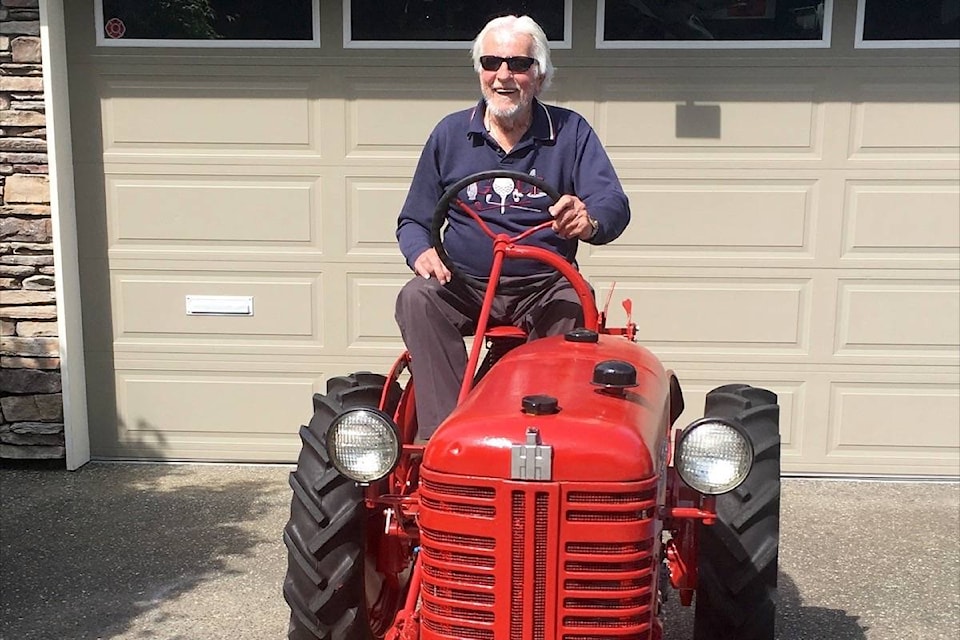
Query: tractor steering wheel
{"points": [[451, 195], [505, 246]]}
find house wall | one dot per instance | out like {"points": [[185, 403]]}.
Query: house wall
{"points": [[31, 403]]}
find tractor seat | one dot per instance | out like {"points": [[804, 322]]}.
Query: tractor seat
{"points": [[505, 331]]}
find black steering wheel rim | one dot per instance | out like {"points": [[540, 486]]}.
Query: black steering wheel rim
{"points": [[443, 204]]}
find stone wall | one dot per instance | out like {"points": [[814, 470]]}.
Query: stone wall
{"points": [[31, 405]]}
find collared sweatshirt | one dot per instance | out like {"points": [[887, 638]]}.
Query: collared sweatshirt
{"points": [[560, 147]]}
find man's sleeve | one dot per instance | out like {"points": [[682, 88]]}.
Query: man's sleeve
{"points": [[596, 183], [416, 216]]}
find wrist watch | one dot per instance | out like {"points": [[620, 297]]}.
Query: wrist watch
{"points": [[594, 226]]}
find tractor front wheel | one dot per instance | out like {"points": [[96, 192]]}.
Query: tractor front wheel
{"points": [[737, 564], [331, 584]]}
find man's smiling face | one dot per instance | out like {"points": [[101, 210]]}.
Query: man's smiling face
{"points": [[509, 95]]}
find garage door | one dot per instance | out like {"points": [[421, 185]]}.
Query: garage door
{"points": [[795, 227]]}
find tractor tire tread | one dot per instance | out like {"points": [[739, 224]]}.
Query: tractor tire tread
{"points": [[738, 555], [324, 581]]}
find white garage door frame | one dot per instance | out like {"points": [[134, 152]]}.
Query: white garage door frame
{"points": [[65, 243]]}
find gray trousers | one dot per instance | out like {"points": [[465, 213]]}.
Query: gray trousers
{"points": [[434, 318]]}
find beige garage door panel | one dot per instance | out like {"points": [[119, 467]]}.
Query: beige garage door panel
{"points": [[220, 212], [896, 319], [391, 118], [714, 119], [736, 316], [373, 203], [893, 421], [153, 308], [215, 407], [205, 113], [370, 311], [693, 215], [864, 422], [898, 219], [212, 403], [202, 408], [926, 125], [314, 213]]}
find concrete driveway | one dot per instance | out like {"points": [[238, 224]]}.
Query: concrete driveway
{"points": [[193, 552]]}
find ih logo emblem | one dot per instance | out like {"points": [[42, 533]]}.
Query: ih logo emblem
{"points": [[532, 460]]}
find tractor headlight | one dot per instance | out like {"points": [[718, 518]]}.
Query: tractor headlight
{"points": [[363, 444], [713, 456]]}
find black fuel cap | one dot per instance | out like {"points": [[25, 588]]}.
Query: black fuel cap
{"points": [[614, 374], [540, 405], [582, 334]]}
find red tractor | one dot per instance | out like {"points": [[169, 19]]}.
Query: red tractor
{"points": [[556, 502]]}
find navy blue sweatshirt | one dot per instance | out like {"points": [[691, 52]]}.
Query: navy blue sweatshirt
{"points": [[560, 148]]}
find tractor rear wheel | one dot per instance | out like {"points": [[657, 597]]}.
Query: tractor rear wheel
{"points": [[737, 564], [331, 584]]}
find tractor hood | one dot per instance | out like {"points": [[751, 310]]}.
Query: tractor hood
{"points": [[594, 435]]}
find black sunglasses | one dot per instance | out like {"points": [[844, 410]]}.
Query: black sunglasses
{"points": [[516, 64]]}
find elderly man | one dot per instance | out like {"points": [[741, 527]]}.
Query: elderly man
{"points": [[509, 129]]}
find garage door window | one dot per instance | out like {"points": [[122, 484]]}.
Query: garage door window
{"points": [[208, 23], [426, 24], [713, 24], [889, 24]]}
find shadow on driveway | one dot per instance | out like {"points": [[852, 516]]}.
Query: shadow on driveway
{"points": [[798, 622], [86, 554], [794, 620]]}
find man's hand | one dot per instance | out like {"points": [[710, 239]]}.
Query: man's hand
{"points": [[429, 264], [571, 219]]}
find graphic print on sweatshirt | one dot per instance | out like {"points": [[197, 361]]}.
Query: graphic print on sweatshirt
{"points": [[505, 193]]}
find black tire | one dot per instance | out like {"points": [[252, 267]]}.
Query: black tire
{"points": [[326, 533], [737, 564]]}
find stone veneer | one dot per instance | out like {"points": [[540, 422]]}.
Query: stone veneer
{"points": [[31, 404]]}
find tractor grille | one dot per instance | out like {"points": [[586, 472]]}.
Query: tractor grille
{"points": [[508, 560]]}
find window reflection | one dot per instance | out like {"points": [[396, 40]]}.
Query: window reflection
{"points": [[433, 20], [208, 19], [911, 19], [706, 20]]}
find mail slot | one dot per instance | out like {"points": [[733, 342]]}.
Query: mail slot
{"points": [[219, 305]]}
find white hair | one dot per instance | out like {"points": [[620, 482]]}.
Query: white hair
{"points": [[523, 25]]}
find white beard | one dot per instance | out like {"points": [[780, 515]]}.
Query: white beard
{"points": [[509, 116]]}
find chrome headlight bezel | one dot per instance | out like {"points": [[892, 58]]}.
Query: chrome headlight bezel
{"points": [[385, 430], [742, 464]]}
